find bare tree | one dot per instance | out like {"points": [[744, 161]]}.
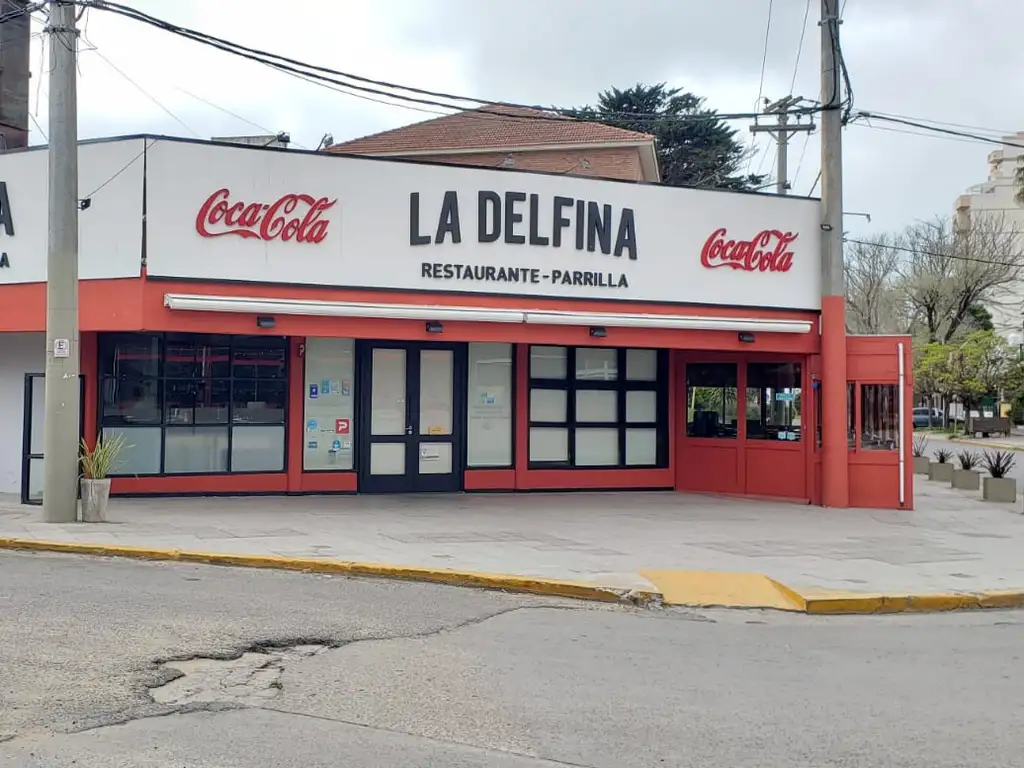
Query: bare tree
{"points": [[875, 296], [951, 267]]}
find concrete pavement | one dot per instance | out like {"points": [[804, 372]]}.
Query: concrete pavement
{"points": [[418, 674], [697, 550]]}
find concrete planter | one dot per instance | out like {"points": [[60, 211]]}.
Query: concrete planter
{"points": [[941, 472], [921, 464], [95, 496], [966, 480], [1002, 489]]}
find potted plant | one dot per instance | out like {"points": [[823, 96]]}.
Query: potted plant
{"points": [[966, 476], [920, 450], [97, 464], [941, 468], [999, 487]]}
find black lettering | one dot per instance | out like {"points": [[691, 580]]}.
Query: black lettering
{"points": [[588, 278], [6, 217], [535, 237], [459, 269], [513, 274], [488, 201], [449, 271], [581, 211], [415, 238], [448, 222], [513, 217], [626, 237], [599, 227], [566, 278], [535, 276], [556, 275], [577, 278], [489, 273], [5, 262], [427, 270], [480, 273], [559, 220], [623, 283]]}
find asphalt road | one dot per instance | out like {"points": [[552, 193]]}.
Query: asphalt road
{"points": [[415, 675], [935, 443]]}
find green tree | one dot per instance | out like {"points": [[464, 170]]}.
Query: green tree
{"points": [[695, 148]]}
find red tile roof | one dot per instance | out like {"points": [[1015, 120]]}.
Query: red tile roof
{"points": [[482, 128]]}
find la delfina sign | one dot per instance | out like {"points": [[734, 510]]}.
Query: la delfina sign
{"points": [[226, 213]]}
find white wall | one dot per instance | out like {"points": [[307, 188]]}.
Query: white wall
{"points": [[20, 353]]}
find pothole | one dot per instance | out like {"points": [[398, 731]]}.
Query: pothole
{"points": [[251, 679]]}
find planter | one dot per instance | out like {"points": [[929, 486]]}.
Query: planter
{"points": [[95, 495], [921, 464], [966, 480], [1002, 489], [940, 472]]}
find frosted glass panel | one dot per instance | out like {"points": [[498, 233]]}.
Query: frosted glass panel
{"points": [[436, 391], [387, 393], [387, 458], [641, 447], [38, 410], [549, 444], [547, 405], [329, 425], [597, 405], [489, 438], [641, 406], [597, 447], [36, 468], [257, 449], [435, 458], [548, 362], [642, 364], [195, 449], [597, 364], [141, 453]]}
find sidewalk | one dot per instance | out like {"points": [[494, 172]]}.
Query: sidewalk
{"points": [[687, 548], [1012, 442]]}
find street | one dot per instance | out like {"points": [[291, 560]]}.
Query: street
{"points": [[939, 441], [314, 670]]}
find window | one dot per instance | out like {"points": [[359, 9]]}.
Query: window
{"points": [[774, 401], [711, 400], [597, 407], [329, 405], [879, 417], [489, 434], [195, 404]]}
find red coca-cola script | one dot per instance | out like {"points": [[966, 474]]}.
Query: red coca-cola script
{"points": [[768, 251], [290, 217]]}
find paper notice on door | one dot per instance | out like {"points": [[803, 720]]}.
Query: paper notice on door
{"points": [[429, 453], [435, 430]]}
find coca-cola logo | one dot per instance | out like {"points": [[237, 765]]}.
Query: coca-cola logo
{"points": [[768, 251], [290, 217]]}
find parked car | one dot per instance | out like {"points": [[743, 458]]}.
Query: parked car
{"points": [[921, 417]]}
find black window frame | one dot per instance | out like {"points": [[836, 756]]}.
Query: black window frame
{"points": [[233, 343], [621, 385]]}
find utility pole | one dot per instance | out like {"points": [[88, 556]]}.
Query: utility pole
{"points": [[61, 418], [15, 37], [781, 132], [835, 470]]}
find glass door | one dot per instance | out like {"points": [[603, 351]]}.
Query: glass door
{"points": [[413, 414], [32, 437]]}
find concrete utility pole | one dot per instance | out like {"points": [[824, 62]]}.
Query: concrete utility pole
{"points": [[781, 132], [15, 37], [61, 420], [835, 471]]}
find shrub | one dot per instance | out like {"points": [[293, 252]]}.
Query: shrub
{"points": [[968, 459], [99, 462], [943, 455], [920, 446], [999, 463]]}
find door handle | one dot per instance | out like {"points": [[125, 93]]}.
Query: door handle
{"points": [[408, 429]]}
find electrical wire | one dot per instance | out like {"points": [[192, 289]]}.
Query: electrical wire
{"points": [[938, 129], [1011, 260], [800, 46], [764, 56], [800, 162], [145, 147]]}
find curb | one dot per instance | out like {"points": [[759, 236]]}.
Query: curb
{"points": [[976, 444], [522, 584]]}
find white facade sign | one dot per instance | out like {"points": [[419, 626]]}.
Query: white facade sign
{"points": [[110, 229], [61, 348], [226, 213]]}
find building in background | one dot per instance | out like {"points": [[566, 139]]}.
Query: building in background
{"points": [[520, 139], [996, 197]]}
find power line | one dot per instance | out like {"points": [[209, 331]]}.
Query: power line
{"points": [[800, 45], [938, 129], [1011, 260], [919, 134], [225, 110], [800, 162], [764, 56]]}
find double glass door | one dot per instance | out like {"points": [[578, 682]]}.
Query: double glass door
{"points": [[413, 410]]}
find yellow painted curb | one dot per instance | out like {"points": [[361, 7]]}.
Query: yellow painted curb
{"points": [[723, 589], [511, 583], [979, 444]]}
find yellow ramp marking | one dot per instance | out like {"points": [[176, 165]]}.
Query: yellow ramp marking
{"points": [[724, 589]]}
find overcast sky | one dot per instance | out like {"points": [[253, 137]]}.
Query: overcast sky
{"points": [[957, 61]]}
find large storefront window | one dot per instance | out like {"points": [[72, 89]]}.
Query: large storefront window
{"points": [[329, 397], [195, 404], [597, 407], [774, 401], [711, 404], [879, 417], [489, 433]]}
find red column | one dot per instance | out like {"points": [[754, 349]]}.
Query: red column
{"points": [[835, 476], [88, 367]]}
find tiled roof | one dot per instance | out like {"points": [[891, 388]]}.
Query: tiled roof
{"points": [[483, 129]]}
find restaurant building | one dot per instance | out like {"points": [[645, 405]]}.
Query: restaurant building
{"points": [[267, 321]]}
